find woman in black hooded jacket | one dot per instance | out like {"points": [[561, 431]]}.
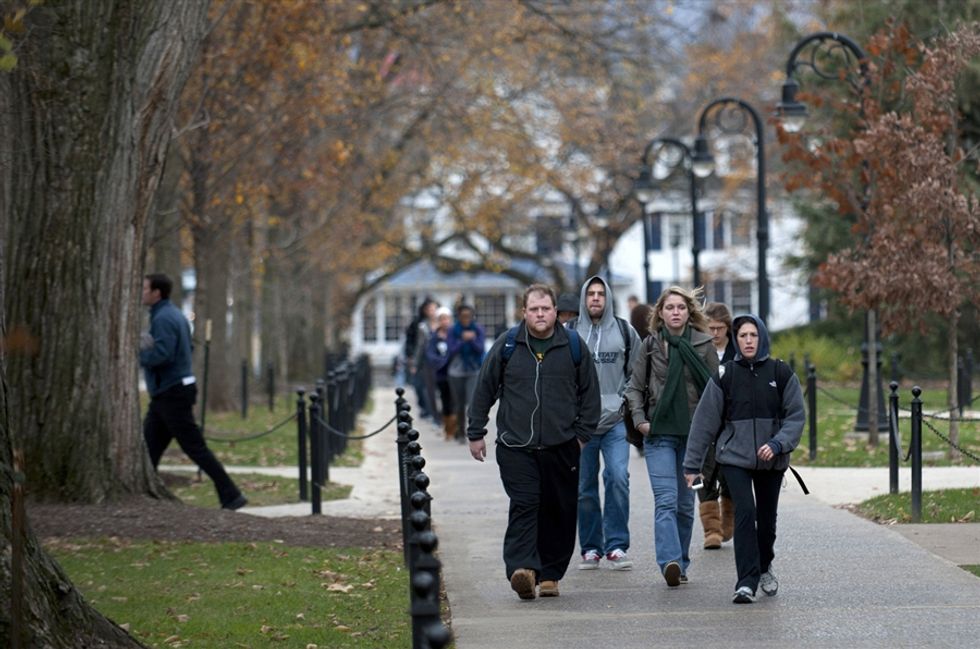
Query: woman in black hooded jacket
{"points": [[758, 407]]}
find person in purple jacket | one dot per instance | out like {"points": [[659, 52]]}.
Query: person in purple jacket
{"points": [[466, 350]]}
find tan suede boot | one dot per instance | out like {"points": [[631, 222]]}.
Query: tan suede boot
{"points": [[711, 522], [727, 518], [449, 426]]}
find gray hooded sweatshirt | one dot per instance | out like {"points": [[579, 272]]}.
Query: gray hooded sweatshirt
{"points": [[605, 342]]}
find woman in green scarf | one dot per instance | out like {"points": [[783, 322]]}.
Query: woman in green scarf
{"points": [[667, 380]]}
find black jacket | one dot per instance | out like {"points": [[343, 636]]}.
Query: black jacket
{"points": [[543, 403]]}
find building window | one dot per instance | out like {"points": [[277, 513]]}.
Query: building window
{"points": [[491, 312], [741, 297], [717, 231], [369, 321], [718, 291], [397, 316], [656, 239], [740, 229]]}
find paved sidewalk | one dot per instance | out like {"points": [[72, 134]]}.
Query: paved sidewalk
{"points": [[844, 581]]}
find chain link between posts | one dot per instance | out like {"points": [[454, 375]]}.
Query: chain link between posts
{"points": [[246, 438]]}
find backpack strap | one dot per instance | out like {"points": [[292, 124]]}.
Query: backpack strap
{"points": [[510, 344], [624, 329]]}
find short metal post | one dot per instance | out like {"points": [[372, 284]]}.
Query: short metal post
{"points": [[424, 573], [402, 411], [811, 397], [894, 441], [916, 450], [316, 458], [301, 441], [270, 385], [244, 389]]}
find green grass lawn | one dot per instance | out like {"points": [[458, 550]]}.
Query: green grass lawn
{"points": [[243, 594], [836, 414], [260, 489], [941, 506]]}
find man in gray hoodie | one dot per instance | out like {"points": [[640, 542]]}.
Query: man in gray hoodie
{"points": [[613, 344]]}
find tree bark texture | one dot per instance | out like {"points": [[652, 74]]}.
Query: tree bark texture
{"points": [[85, 120]]}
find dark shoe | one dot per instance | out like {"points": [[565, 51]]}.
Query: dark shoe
{"points": [[743, 595], [672, 574], [237, 503], [683, 579], [522, 581], [548, 588]]}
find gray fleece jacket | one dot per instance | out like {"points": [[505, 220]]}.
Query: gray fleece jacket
{"points": [[605, 342], [749, 413]]}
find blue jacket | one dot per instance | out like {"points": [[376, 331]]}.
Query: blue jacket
{"points": [[168, 362]]}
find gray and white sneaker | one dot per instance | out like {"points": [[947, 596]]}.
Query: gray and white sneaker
{"points": [[743, 595], [619, 561], [590, 560], [768, 582]]}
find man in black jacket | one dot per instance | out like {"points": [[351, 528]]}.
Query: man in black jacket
{"points": [[546, 383]]}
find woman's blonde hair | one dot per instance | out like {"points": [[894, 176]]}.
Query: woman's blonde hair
{"points": [[696, 319]]}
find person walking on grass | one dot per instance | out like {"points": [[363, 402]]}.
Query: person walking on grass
{"points": [[757, 406], [546, 383], [165, 355], [717, 509], [668, 377], [603, 526]]}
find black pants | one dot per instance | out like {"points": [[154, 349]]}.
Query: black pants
{"points": [[171, 416], [755, 520], [542, 485]]}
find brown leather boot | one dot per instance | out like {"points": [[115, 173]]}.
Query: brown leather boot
{"points": [[449, 426], [727, 518], [711, 522]]}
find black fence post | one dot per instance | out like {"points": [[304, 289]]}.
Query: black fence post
{"points": [[326, 403], [916, 450], [331, 412], [270, 385], [316, 459], [301, 441], [811, 397], [402, 411], [244, 389], [424, 572], [869, 392], [896, 367], [894, 442]]}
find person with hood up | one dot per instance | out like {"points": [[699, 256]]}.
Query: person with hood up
{"points": [[614, 345], [757, 405], [675, 363]]}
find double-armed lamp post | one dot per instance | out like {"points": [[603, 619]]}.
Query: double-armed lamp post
{"points": [[656, 154]]}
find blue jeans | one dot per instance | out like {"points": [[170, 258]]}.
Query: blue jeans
{"points": [[609, 530], [673, 500]]}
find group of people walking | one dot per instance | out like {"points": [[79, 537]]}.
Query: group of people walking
{"points": [[443, 357], [716, 414]]}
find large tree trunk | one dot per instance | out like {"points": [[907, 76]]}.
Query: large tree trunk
{"points": [[87, 117], [954, 386]]}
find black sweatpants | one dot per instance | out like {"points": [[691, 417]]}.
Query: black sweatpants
{"points": [[542, 485], [755, 520], [171, 416]]}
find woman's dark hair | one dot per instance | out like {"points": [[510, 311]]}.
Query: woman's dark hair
{"points": [[640, 319]]}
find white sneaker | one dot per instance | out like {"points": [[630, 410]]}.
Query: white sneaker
{"points": [[743, 595], [590, 560], [619, 561], [768, 582]]}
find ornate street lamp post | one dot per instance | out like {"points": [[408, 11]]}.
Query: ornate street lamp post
{"points": [[823, 48], [645, 188], [730, 118]]}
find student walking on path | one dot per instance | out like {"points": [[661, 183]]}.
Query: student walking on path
{"points": [[549, 408], [668, 377], [757, 405], [165, 355], [466, 351], [604, 531]]}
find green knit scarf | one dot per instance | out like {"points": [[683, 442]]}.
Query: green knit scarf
{"points": [[671, 416]]}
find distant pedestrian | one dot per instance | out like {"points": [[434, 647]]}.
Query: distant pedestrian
{"points": [[755, 411], [165, 355], [437, 355], [603, 524], [567, 307], [416, 335], [640, 319], [667, 380], [631, 303], [467, 346], [549, 407], [717, 509]]}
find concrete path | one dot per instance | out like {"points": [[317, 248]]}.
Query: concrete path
{"points": [[844, 581]]}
